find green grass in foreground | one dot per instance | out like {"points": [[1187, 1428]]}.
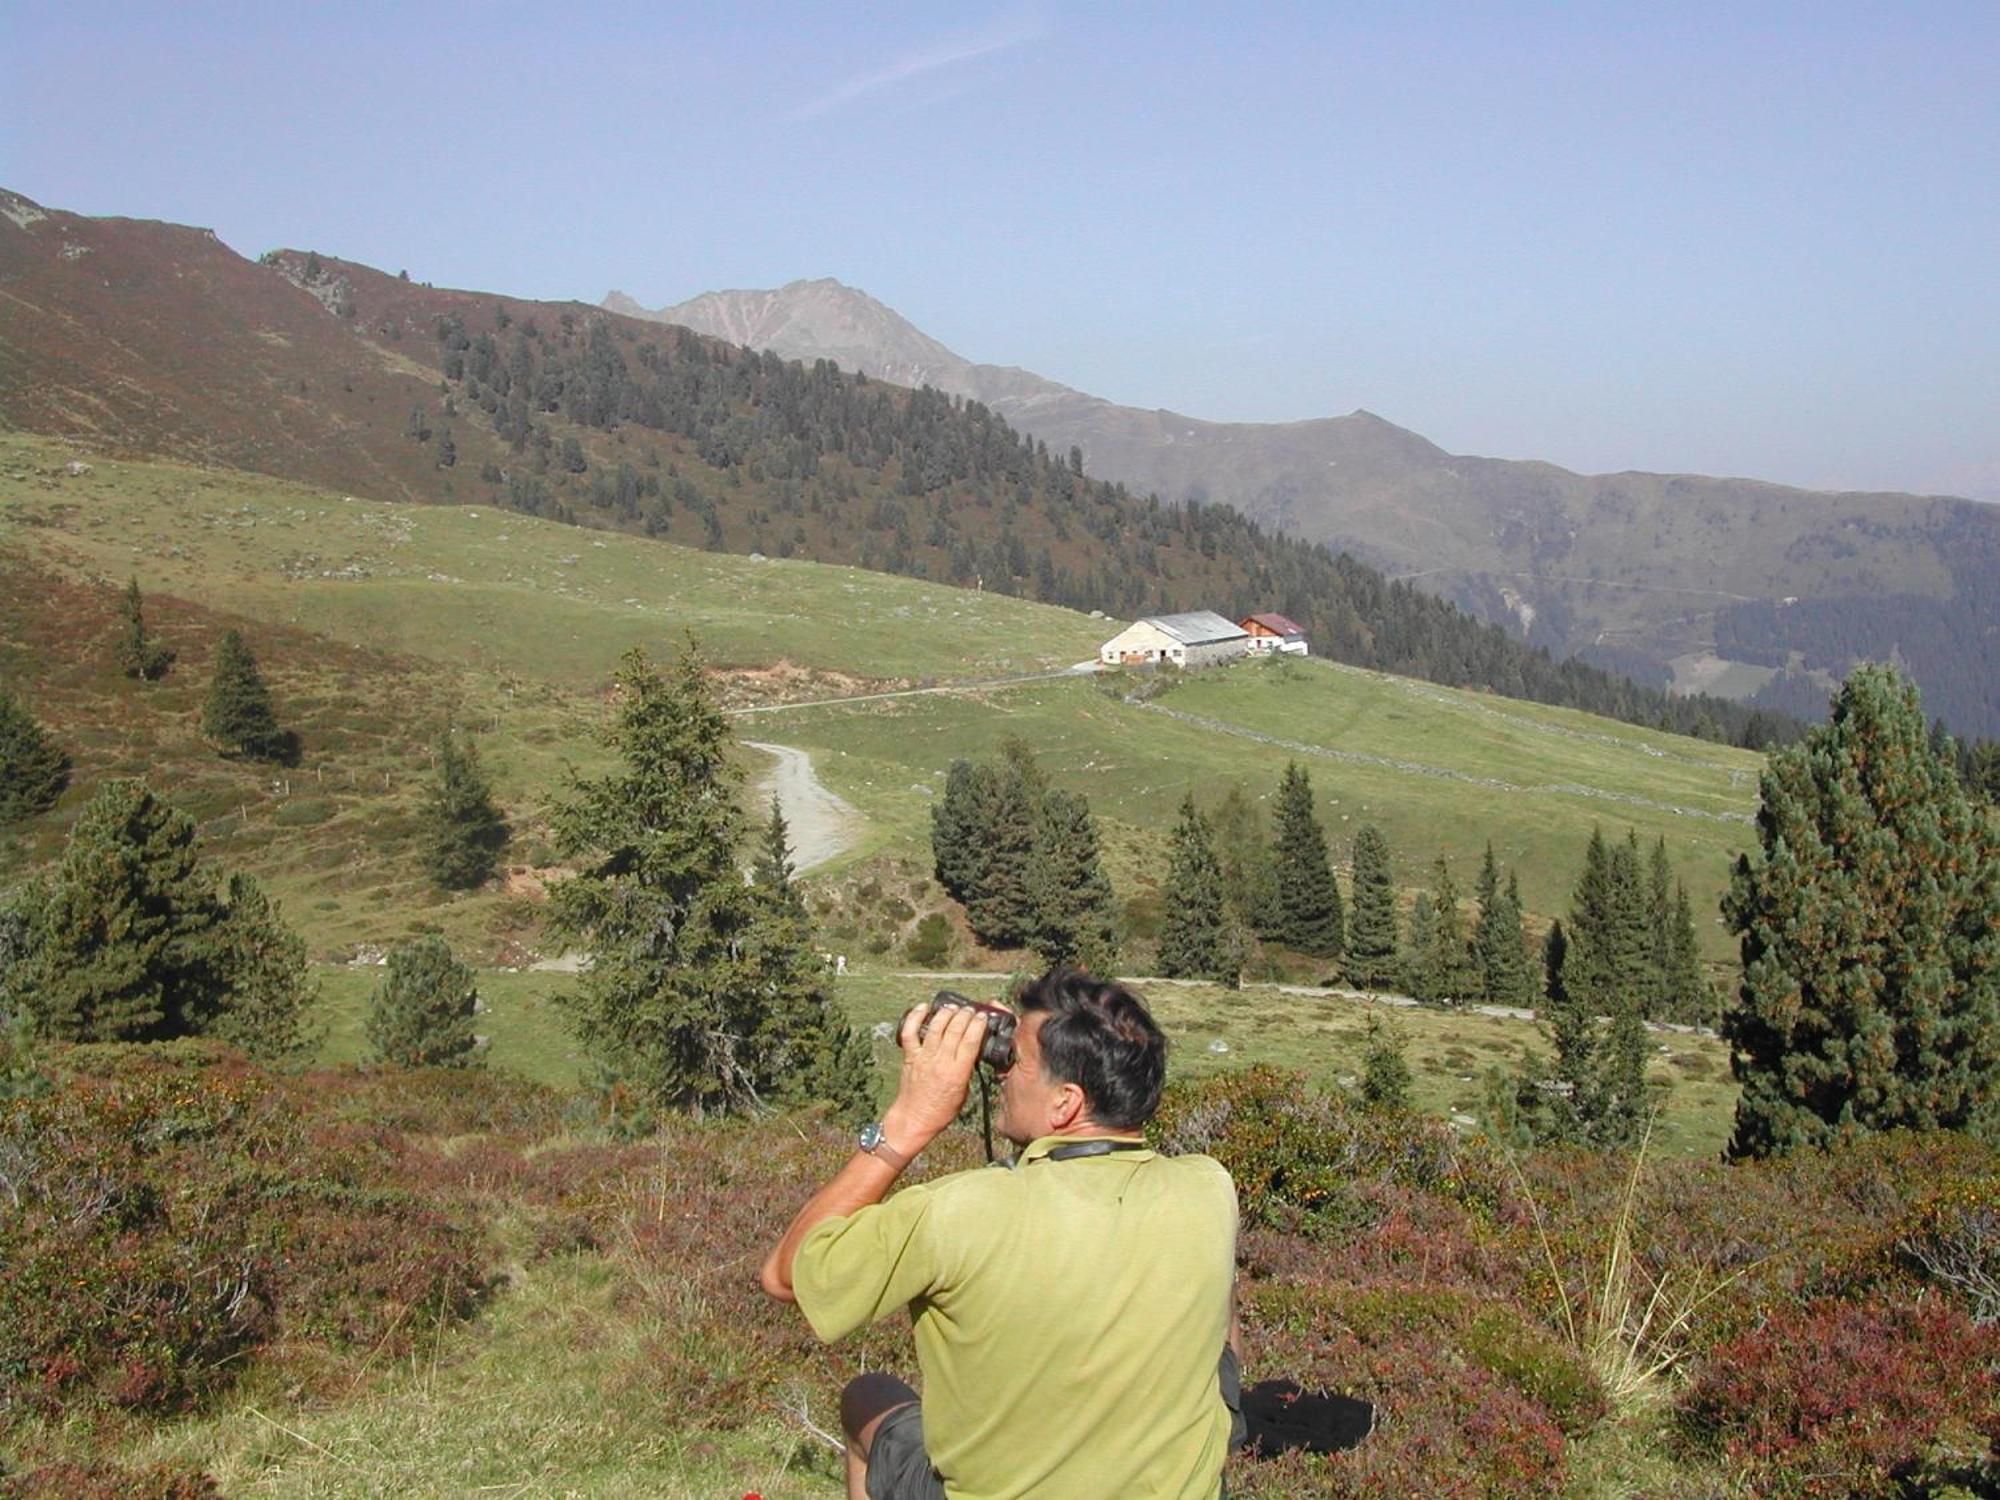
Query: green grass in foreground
{"points": [[1211, 1028]]}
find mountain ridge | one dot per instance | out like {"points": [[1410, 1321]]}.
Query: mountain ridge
{"points": [[1602, 564]]}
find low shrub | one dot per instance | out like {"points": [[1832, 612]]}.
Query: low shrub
{"points": [[1307, 1161], [1839, 1398], [74, 1481], [174, 1209]]}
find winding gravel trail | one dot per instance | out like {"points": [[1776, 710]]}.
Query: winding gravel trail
{"points": [[821, 824]]}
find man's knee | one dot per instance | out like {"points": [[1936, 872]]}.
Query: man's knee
{"points": [[866, 1400]]}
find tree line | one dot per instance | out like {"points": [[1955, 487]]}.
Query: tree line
{"points": [[805, 460]]}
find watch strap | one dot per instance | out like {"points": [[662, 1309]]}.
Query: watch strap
{"points": [[874, 1144]]}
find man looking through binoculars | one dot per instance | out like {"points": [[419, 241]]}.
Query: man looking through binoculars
{"points": [[1070, 1314]]}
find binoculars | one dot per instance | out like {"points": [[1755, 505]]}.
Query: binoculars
{"points": [[996, 1050]]}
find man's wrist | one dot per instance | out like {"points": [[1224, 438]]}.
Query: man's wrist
{"points": [[903, 1137]]}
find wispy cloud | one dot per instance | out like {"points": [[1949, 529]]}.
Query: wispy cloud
{"points": [[1016, 31]]}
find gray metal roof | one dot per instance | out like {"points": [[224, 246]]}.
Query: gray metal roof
{"points": [[1197, 627]]}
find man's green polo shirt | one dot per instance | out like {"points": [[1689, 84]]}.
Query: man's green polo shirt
{"points": [[1068, 1315]]}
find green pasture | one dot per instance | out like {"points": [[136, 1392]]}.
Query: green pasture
{"points": [[1324, 1036], [378, 623]]}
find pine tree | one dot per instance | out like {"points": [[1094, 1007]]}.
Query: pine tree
{"points": [[1870, 930], [1417, 964], [1660, 929], [702, 992], [1075, 919], [1371, 929], [238, 714], [1600, 977], [121, 942], [771, 869], [139, 655], [1385, 1071], [1196, 939], [1307, 913], [462, 831], [270, 988], [1243, 849], [421, 1015], [1451, 976], [1001, 903], [1500, 953], [1690, 998], [33, 770], [959, 828]]}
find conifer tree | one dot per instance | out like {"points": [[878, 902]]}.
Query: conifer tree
{"points": [[1306, 905], [33, 769], [1001, 903], [421, 1015], [958, 828], [1660, 928], [237, 714], [1690, 999], [1196, 939], [1372, 924], [702, 992], [1451, 974], [139, 655], [1500, 953], [1417, 964], [1075, 922], [121, 945], [1870, 930], [771, 870], [270, 990], [1385, 1070], [462, 831], [1243, 848]]}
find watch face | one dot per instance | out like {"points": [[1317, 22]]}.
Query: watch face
{"points": [[871, 1137]]}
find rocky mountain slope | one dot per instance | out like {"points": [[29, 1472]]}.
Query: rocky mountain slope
{"points": [[1645, 572]]}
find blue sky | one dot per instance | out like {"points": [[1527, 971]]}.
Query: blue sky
{"points": [[1735, 238]]}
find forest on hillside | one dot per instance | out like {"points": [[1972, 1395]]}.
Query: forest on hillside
{"points": [[814, 462]]}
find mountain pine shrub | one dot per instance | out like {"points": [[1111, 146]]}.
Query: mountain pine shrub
{"points": [[1870, 929]]}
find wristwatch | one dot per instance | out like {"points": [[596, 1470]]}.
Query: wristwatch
{"points": [[874, 1144]]}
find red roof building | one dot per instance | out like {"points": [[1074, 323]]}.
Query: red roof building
{"points": [[1274, 632]]}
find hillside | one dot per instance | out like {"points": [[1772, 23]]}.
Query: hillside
{"points": [[1648, 573], [377, 622], [154, 339]]}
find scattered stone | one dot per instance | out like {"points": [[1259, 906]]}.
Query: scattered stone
{"points": [[76, 468], [1218, 1045]]}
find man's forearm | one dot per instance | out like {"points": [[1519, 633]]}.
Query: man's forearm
{"points": [[866, 1179]]}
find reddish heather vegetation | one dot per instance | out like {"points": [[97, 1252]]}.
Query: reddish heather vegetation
{"points": [[175, 1222]]}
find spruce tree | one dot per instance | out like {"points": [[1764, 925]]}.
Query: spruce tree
{"points": [[1501, 955], [237, 714], [139, 655], [1243, 849], [1417, 964], [1196, 939], [959, 828], [1075, 920], [121, 943], [771, 869], [702, 992], [1870, 929], [421, 1015], [1452, 976], [1306, 906], [1001, 903], [270, 990], [33, 770], [462, 831], [1385, 1070], [1372, 925], [1660, 925], [1690, 998]]}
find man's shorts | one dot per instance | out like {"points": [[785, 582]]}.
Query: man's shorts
{"points": [[898, 1466]]}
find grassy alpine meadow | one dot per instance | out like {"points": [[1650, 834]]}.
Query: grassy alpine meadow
{"points": [[1323, 1035]]}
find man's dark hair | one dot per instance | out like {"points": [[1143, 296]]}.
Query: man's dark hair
{"points": [[1099, 1037]]}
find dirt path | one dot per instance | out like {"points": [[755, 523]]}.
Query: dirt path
{"points": [[821, 824]]}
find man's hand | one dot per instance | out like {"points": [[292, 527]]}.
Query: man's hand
{"points": [[936, 1076]]}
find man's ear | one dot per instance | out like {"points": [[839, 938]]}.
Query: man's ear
{"points": [[1069, 1106]]}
